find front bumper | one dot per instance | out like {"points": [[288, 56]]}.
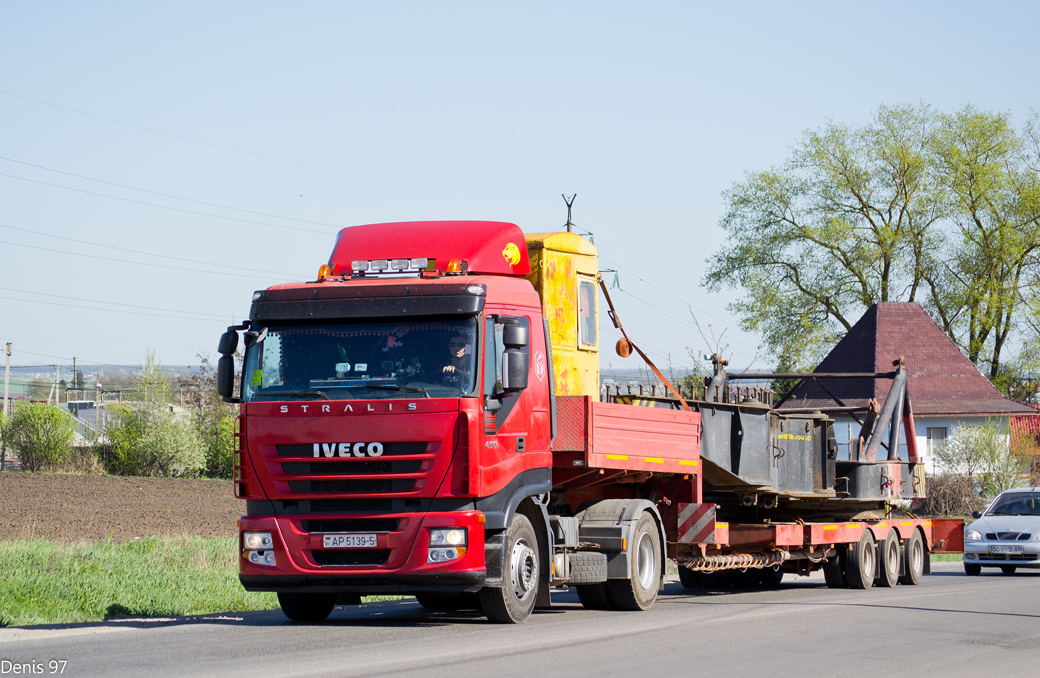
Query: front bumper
{"points": [[398, 563], [983, 553]]}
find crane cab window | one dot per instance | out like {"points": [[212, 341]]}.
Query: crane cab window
{"points": [[587, 328]]}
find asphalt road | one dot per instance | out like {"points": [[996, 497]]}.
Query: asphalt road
{"points": [[950, 625]]}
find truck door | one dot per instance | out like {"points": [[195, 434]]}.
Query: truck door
{"points": [[507, 414]]}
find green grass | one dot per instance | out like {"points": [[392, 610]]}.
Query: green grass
{"points": [[946, 557], [48, 582]]}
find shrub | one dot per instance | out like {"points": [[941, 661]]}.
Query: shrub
{"points": [[42, 434]]}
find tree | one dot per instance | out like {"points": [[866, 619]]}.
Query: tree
{"points": [[42, 434], [146, 437], [984, 454], [943, 209], [214, 420]]}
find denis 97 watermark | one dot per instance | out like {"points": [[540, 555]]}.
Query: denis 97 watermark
{"points": [[51, 666]]}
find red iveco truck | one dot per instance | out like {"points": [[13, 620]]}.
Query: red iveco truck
{"points": [[426, 418]]}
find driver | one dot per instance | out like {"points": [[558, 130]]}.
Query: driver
{"points": [[460, 362]]}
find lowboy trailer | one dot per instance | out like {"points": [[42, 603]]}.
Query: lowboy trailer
{"points": [[426, 418]]}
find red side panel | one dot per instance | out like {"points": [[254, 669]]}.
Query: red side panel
{"points": [[946, 535], [644, 438], [493, 247]]}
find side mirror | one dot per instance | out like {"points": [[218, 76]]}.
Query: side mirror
{"points": [[515, 336], [515, 369], [226, 377], [228, 343], [976, 514]]}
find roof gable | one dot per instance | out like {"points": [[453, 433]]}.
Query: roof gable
{"points": [[942, 381]]}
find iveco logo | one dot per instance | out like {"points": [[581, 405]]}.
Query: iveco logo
{"points": [[348, 449]]}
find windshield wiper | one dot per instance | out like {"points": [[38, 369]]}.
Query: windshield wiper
{"points": [[323, 394], [393, 387]]}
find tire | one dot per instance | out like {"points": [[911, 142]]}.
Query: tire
{"points": [[595, 596], [913, 560], [861, 562], [586, 567], [1008, 569], [834, 570], [448, 601], [770, 578], [888, 561], [307, 607], [972, 570], [513, 602], [690, 579], [639, 591]]}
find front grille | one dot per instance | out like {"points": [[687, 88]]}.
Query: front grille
{"points": [[389, 449], [362, 525], [351, 505], [345, 468], [351, 557], [363, 486], [1007, 556], [1006, 536]]}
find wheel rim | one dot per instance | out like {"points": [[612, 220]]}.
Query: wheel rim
{"points": [[867, 561], [646, 561], [892, 560], [523, 569], [917, 557]]}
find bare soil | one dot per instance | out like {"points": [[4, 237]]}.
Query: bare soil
{"points": [[97, 507]]}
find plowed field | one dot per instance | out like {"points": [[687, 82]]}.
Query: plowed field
{"points": [[71, 507]]}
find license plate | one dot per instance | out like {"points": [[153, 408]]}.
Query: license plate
{"points": [[350, 541], [1005, 549]]}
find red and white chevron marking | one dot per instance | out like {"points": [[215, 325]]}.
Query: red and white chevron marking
{"points": [[697, 523]]}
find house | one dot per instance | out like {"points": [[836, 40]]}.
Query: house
{"points": [[945, 388]]}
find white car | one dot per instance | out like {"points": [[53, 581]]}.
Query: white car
{"points": [[1006, 534]]}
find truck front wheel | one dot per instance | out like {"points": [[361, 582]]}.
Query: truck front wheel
{"points": [[639, 591], [307, 607], [513, 602]]}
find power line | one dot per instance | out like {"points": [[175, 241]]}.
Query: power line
{"points": [[150, 254], [128, 261], [167, 195], [108, 310], [269, 156], [165, 207], [113, 303]]}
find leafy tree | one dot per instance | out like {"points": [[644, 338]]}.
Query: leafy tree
{"points": [[214, 420], [916, 205], [983, 453], [39, 388], [146, 437], [42, 434]]}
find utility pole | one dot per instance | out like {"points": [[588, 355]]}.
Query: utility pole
{"points": [[7, 376], [569, 202], [75, 380]]}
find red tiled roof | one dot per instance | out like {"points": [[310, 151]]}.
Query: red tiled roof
{"points": [[942, 381]]}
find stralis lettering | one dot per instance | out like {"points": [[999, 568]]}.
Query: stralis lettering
{"points": [[334, 409], [346, 449]]}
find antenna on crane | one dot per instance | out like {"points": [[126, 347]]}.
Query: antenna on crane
{"points": [[569, 202]]}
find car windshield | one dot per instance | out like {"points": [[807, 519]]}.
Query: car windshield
{"points": [[1016, 504], [361, 361]]}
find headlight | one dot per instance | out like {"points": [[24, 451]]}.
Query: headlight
{"points": [[452, 536], [1036, 537], [256, 541], [972, 535]]}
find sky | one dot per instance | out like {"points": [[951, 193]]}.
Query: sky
{"points": [[161, 161]]}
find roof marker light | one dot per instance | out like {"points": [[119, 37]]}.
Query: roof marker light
{"points": [[378, 265], [359, 265], [420, 263], [398, 264], [324, 271], [454, 266]]}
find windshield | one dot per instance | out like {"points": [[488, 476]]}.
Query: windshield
{"points": [[1017, 504], [362, 361]]}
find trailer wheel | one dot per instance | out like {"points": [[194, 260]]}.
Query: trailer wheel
{"points": [[913, 560], [834, 570], [639, 590], [595, 596], [307, 607], [972, 570], [770, 578], [861, 562], [690, 579], [513, 602], [888, 561]]}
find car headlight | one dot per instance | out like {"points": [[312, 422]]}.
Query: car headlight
{"points": [[452, 536], [1036, 537], [256, 541], [972, 535]]}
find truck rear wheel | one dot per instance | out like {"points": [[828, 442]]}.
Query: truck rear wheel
{"points": [[913, 560], [595, 596], [639, 590], [513, 602], [307, 607], [888, 561], [861, 562], [690, 579]]}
